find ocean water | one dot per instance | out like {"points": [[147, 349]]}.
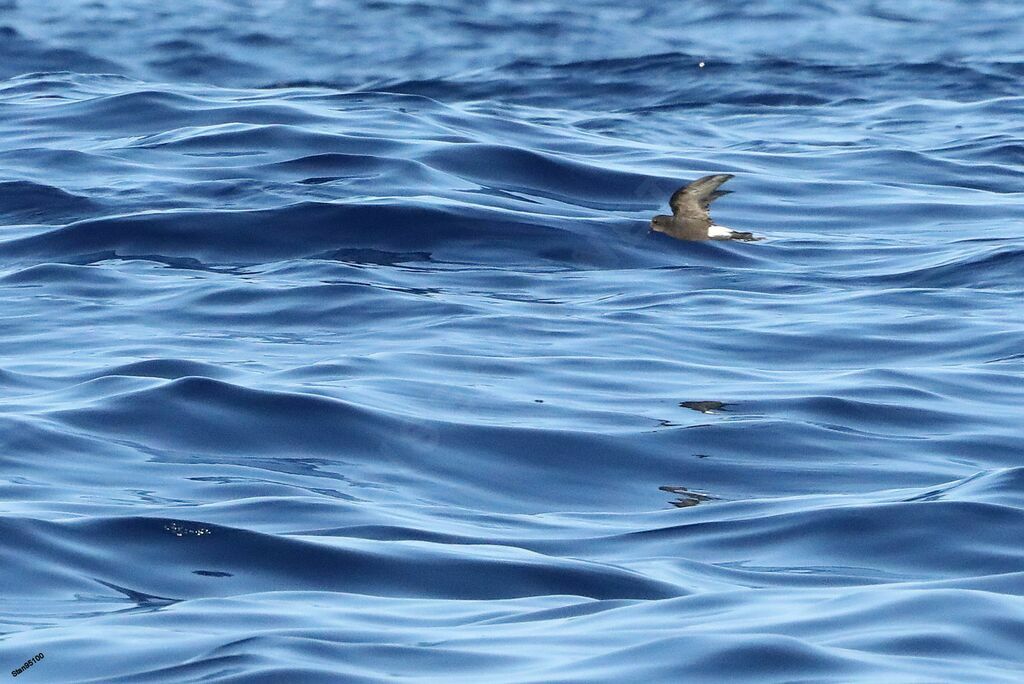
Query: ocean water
{"points": [[334, 345]]}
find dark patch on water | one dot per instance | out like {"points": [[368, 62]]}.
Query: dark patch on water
{"points": [[686, 497], [704, 406]]}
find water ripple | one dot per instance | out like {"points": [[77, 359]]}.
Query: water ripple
{"points": [[355, 358]]}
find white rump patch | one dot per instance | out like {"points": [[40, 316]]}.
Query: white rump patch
{"points": [[717, 232]]}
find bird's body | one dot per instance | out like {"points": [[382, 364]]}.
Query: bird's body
{"points": [[690, 219]]}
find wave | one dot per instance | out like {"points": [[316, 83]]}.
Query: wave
{"points": [[28, 202], [309, 229], [356, 358]]}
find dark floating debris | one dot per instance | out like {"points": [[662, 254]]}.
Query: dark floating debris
{"points": [[704, 406], [212, 573], [686, 498]]}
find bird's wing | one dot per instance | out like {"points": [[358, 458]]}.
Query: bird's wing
{"points": [[692, 201]]}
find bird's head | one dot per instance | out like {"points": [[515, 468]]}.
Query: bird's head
{"points": [[661, 223]]}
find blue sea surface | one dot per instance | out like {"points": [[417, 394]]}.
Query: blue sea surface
{"points": [[334, 345]]}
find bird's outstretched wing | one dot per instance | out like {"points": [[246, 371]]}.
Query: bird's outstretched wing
{"points": [[692, 201]]}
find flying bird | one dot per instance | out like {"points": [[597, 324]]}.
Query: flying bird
{"points": [[690, 219]]}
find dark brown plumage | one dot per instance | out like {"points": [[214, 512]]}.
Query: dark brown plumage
{"points": [[690, 219]]}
